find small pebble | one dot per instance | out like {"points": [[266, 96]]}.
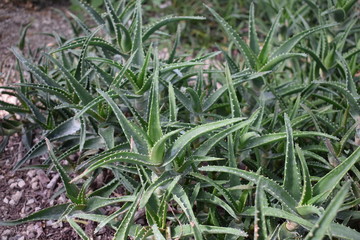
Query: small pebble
{"points": [[12, 202], [5, 200], [43, 178], [61, 199], [6, 232], [21, 183], [31, 235], [31, 173], [49, 223], [53, 181], [17, 196], [54, 224], [38, 230], [35, 186], [57, 225], [34, 179], [30, 227], [30, 201]]}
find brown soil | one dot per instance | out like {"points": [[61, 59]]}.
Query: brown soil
{"points": [[27, 191], [44, 20], [13, 16]]}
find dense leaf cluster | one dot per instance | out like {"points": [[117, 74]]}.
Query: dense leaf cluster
{"points": [[263, 147]]}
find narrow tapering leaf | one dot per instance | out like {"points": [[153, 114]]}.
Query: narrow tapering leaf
{"points": [[307, 188], [264, 53], [213, 140], [234, 36], [290, 43], [81, 92], [162, 180], [183, 141], [275, 137], [71, 189], [327, 184], [354, 106], [166, 20], [272, 62], [269, 185], [77, 228], [119, 156], [137, 44], [260, 229], [80, 69], [51, 213], [131, 132], [93, 13], [39, 74], [182, 199], [125, 225], [323, 224], [172, 104], [253, 39], [186, 230], [158, 149], [66, 128], [154, 129], [335, 230], [114, 20], [291, 173], [234, 102]]}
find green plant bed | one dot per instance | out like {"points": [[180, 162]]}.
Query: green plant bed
{"points": [[261, 145]]}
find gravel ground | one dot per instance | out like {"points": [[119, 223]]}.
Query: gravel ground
{"points": [[13, 16], [27, 191]]}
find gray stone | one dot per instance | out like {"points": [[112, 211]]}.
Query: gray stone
{"points": [[17, 196], [21, 183], [35, 186]]}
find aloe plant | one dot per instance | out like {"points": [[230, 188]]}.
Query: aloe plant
{"points": [[261, 145]]}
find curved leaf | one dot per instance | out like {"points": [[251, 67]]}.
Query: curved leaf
{"points": [[122, 156], [320, 228], [234, 36], [290, 43], [124, 227], [131, 132], [166, 20], [272, 62], [327, 183], [183, 141], [182, 199], [275, 137], [51, 213], [269, 185], [291, 172]]}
